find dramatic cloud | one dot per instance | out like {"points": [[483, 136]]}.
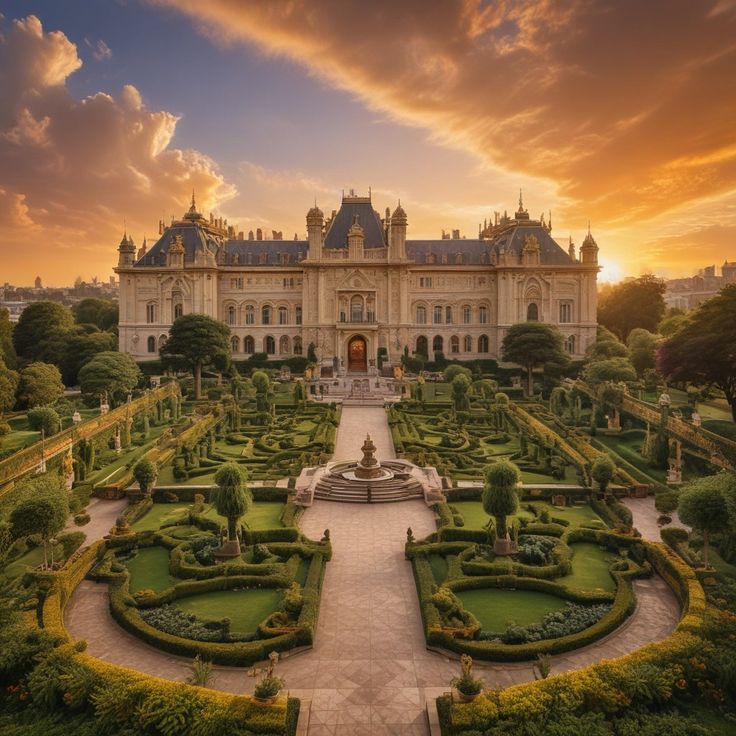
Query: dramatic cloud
{"points": [[71, 170], [626, 106]]}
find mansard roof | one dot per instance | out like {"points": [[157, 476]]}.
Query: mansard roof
{"points": [[368, 219], [193, 236], [513, 238], [264, 252]]}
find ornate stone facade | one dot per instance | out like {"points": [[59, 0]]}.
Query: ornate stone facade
{"points": [[357, 288]]}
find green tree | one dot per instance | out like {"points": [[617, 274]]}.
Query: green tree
{"points": [[633, 303], [43, 513], [80, 349], [612, 369], [456, 370], [145, 472], [703, 350], [643, 347], [702, 506], [460, 387], [531, 344], [197, 341], [8, 387], [44, 418], [262, 384], [100, 312], [500, 498], [7, 349], [232, 498], [40, 384], [602, 472], [671, 322], [114, 374], [40, 334]]}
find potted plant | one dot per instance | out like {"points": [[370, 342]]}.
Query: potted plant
{"points": [[467, 686], [269, 686]]}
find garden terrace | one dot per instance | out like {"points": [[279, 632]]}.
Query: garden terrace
{"points": [[569, 585]]}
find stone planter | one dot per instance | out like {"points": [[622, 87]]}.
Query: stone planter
{"points": [[465, 698], [267, 701]]}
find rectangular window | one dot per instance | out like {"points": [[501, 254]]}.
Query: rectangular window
{"points": [[565, 312], [298, 315], [236, 283], [150, 313], [437, 315], [425, 282]]}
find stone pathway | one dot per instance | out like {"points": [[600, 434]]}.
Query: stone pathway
{"points": [[103, 516], [645, 517], [369, 671], [355, 423]]}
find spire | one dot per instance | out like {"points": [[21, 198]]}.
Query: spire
{"points": [[193, 207], [521, 201]]}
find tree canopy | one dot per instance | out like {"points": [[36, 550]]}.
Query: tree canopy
{"points": [[232, 498], [702, 506], [530, 344], [643, 347], [80, 349], [41, 330], [602, 471], [145, 472], [460, 386], [111, 373], [40, 384], [196, 341], [7, 349], [633, 303], [8, 386], [612, 369], [500, 498], [100, 312], [703, 350]]}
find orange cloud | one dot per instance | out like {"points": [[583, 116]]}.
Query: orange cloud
{"points": [[626, 106], [71, 169]]}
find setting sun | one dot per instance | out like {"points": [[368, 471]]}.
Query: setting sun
{"points": [[610, 272]]}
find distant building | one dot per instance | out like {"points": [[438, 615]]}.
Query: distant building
{"points": [[689, 292], [357, 288], [37, 283]]}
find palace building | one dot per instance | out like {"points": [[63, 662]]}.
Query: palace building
{"points": [[357, 287]]}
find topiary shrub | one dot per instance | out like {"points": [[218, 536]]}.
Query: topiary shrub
{"points": [[44, 418]]}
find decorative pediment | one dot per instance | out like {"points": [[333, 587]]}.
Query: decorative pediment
{"points": [[356, 280]]}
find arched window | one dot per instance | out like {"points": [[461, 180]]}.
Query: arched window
{"points": [[466, 314], [162, 340], [356, 309], [284, 345], [178, 310], [454, 344], [250, 314], [438, 344], [483, 344], [437, 315], [297, 345], [231, 315], [421, 315], [249, 345], [266, 315], [483, 314], [269, 345], [235, 344], [570, 344], [283, 316], [532, 313], [150, 313], [422, 346], [177, 305], [468, 344], [152, 344], [448, 315], [298, 315]]}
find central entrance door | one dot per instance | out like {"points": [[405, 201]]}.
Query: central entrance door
{"points": [[357, 355]]}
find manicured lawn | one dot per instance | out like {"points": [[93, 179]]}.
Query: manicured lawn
{"points": [[161, 513], [245, 608], [19, 439], [628, 446], [474, 516], [539, 478], [166, 478], [576, 515], [263, 515], [149, 570], [27, 562], [438, 563], [589, 568], [496, 609]]}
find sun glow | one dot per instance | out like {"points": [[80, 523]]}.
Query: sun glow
{"points": [[611, 272]]}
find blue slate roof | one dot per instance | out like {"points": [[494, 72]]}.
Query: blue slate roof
{"points": [[368, 219], [264, 252], [193, 237]]}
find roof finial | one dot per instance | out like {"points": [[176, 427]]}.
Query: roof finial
{"points": [[193, 207], [588, 227], [521, 201], [125, 228]]}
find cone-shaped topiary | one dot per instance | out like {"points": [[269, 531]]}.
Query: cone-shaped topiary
{"points": [[232, 498], [500, 499]]}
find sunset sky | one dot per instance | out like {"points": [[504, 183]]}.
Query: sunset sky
{"points": [[622, 113]]}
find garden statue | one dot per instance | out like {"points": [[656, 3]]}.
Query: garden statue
{"points": [[117, 440], [76, 417], [696, 420], [409, 536]]}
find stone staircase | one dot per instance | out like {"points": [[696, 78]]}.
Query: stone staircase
{"points": [[350, 491]]}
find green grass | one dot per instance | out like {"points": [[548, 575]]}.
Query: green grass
{"points": [[576, 515], [496, 609], [589, 568], [149, 570], [438, 563], [18, 440], [28, 562], [263, 515], [474, 516], [245, 608], [161, 513]]}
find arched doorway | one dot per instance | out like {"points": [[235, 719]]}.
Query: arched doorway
{"points": [[357, 355]]}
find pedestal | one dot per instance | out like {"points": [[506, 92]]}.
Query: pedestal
{"points": [[229, 550]]}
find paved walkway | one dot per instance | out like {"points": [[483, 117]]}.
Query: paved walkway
{"points": [[103, 516], [645, 517], [369, 671], [355, 423]]}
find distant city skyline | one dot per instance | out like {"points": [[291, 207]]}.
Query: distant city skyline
{"points": [[112, 112]]}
